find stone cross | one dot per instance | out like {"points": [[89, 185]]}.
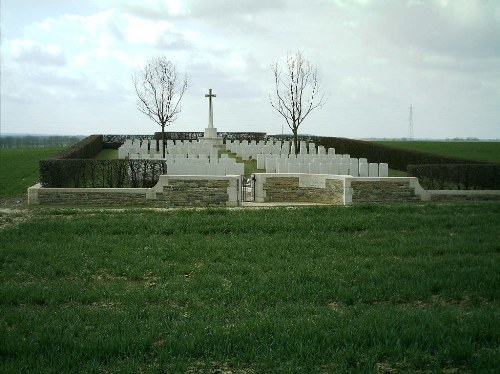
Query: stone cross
{"points": [[210, 109]]}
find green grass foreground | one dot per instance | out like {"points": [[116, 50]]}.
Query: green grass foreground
{"points": [[310, 289], [19, 169]]}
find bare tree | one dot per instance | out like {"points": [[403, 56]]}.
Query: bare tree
{"points": [[159, 92], [298, 91]]}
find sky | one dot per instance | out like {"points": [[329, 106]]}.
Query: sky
{"points": [[67, 65]]}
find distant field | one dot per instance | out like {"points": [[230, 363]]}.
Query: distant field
{"points": [[312, 290], [19, 169], [485, 151]]}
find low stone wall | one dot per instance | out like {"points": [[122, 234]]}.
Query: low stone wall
{"points": [[170, 191], [200, 191], [301, 188], [191, 191], [347, 190], [87, 196], [335, 189], [382, 190]]}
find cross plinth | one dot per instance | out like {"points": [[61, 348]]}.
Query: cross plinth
{"points": [[210, 108]]}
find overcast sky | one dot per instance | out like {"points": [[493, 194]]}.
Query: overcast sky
{"points": [[66, 65]]}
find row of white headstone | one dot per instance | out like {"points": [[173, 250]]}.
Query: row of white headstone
{"points": [[195, 158], [343, 166], [148, 149], [247, 150], [280, 158], [205, 168], [203, 164]]}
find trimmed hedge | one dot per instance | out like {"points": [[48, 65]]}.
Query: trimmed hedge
{"points": [[257, 136], [457, 176], [74, 167], [396, 158], [100, 173], [85, 149], [115, 141]]}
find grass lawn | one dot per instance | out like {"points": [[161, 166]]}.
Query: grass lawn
{"points": [[107, 154], [19, 169], [313, 289], [485, 151], [250, 165]]}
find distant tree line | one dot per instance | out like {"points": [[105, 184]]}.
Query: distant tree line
{"points": [[33, 141]]}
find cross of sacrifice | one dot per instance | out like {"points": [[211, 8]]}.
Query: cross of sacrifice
{"points": [[210, 109]]}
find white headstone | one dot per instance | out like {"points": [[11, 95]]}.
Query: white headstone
{"points": [[383, 170], [281, 166], [343, 168], [314, 168], [304, 167], [363, 169], [353, 167], [324, 168], [270, 165]]}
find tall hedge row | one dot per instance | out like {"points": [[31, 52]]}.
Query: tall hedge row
{"points": [[457, 176], [74, 167], [193, 135], [100, 173], [397, 158], [85, 149]]}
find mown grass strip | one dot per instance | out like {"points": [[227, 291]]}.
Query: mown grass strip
{"points": [[335, 289]]}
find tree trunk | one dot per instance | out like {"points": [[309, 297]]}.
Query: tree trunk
{"points": [[163, 140], [295, 140]]}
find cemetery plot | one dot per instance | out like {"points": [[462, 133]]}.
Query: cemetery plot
{"points": [[273, 157], [184, 157], [280, 157]]}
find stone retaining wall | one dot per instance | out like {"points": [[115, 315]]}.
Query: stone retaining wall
{"points": [[200, 191], [383, 190], [335, 189], [88, 196], [169, 192], [306, 188]]}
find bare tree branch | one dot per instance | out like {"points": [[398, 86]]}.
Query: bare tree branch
{"points": [[159, 91], [297, 93]]}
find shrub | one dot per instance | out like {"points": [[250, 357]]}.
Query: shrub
{"points": [[101, 173], [396, 158], [457, 176], [85, 149], [257, 136], [115, 141]]}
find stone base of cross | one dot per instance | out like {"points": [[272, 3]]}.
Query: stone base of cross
{"points": [[210, 136]]}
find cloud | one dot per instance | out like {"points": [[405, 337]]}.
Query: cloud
{"points": [[463, 29], [31, 52], [375, 57], [225, 8], [162, 9], [139, 30], [361, 86]]}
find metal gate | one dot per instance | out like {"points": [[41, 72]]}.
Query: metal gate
{"points": [[248, 188]]}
